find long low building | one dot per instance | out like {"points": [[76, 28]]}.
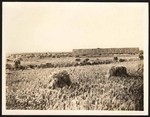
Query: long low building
{"points": [[101, 51]]}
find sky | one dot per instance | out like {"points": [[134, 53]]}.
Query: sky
{"points": [[61, 27]]}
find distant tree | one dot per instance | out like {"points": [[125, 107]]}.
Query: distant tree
{"points": [[141, 52], [53, 56], [85, 61], [77, 59], [122, 60], [115, 58], [17, 63], [76, 55], [141, 56], [83, 54]]}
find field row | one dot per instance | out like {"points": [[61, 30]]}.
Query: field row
{"points": [[65, 62]]}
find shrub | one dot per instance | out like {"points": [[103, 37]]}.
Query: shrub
{"points": [[49, 55], [26, 67], [41, 56], [57, 56], [31, 66], [53, 56], [76, 55], [17, 63], [84, 54], [21, 67], [122, 60], [49, 65], [77, 59], [141, 56], [115, 58], [75, 63], [79, 63], [107, 62], [70, 64], [9, 66], [42, 65], [91, 62], [97, 61], [88, 63], [85, 60]]}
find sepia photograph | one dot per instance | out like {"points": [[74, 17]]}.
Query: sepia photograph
{"points": [[62, 58]]}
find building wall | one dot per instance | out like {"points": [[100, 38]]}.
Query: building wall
{"points": [[100, 51]]}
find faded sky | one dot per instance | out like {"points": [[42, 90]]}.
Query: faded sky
{"points": [[55, 27]]}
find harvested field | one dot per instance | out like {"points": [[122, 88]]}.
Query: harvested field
{"points": [[90, 89]]}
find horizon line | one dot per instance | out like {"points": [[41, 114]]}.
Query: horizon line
{"points": [[65, 51]]}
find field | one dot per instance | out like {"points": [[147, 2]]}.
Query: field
{"points": [[90, 88], [50, 62]]}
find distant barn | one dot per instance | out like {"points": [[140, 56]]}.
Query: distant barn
{"points": [[101, 51]]}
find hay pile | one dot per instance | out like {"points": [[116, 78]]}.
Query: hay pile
{"points": [[59, 79], [117, 71]]}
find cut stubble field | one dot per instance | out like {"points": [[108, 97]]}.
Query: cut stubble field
{"points": [[90, 89]]}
